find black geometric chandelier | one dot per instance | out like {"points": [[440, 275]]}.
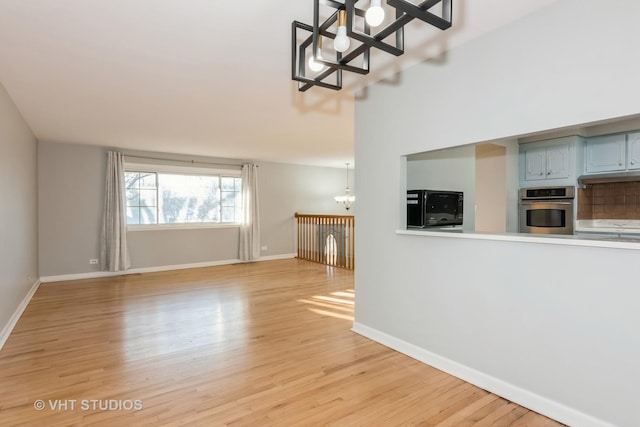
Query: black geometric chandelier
{"points": [[343, 41]]}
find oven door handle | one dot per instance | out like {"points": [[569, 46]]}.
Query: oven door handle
{"points": [[534, 202]]}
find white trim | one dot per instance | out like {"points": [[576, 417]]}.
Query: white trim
{"points": [[189, 170], [275, 257], [4, 336], [526, 398], [181, 226], [100, 274], [80, 276]]}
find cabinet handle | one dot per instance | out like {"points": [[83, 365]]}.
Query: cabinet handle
{"points": [[632, 162], [619, 163], [541, 174]]}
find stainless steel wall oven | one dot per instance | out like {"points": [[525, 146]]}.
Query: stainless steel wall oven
{"points": [[547, 210]]}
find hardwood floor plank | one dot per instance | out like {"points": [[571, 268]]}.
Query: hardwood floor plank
{"points": [[502, 416], [457, 417], [265, 344], [533, 419], [481, 413]]}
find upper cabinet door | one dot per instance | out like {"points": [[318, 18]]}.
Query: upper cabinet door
{"points": [[558, 161], [606, 153], [551, 162], [633, 143], [535, 160]]}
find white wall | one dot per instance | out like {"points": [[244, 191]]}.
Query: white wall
{"points": [[18, 221], [71, 192], [554, 327]]}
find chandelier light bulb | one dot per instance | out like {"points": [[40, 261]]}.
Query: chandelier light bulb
{"points": [[341, 42], [375, 13], [314, 65]]}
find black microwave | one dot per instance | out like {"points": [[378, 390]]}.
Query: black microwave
{"points": [[433, 208]]}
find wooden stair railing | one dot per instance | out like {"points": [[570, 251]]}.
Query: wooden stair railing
{"points": [[326, 239]]}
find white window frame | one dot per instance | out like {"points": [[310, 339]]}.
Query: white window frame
{"points": [[187, 170]]}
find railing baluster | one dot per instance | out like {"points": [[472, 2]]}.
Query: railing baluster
{"points": [[314, 236], [299, 238], [352, 252], [340, 247], [311, 232], [309, 239], [305, 231]]}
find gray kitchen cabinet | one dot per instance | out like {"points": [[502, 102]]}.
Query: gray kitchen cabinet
{"points": [[549, 163], [613, 153], [633, 151], [558, 164], [535, 159], [546, 162], [606, 153]]}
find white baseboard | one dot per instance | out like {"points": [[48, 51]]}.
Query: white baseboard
{"points": [[99, 274], [6, 331], [275, 257], [530, 400], [80, 276]]}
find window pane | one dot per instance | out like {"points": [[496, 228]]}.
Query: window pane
{"points": [[189, 198], [141, 194], [148, 198], [228, 214], [148, 215], [133, 197], [231, 199], [133, 215], [228, 183], [228, 198], [131, 179], [147, 180]]}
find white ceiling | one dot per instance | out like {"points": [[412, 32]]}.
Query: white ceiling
{"points": [[197, 77]]}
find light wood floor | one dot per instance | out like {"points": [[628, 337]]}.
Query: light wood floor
{"points": [[257, 344]]}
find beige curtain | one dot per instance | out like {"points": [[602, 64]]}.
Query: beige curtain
{"points": [[250, 227], [114, 254]]}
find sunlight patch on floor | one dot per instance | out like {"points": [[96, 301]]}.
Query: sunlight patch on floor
{"points": [[332, 314], [337, 304]]}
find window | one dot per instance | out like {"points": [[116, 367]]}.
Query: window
{"points": [[171, 195]]}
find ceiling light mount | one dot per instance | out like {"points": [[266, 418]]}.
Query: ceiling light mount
{"points": [[350, 23]]}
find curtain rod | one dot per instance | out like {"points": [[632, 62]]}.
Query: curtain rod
{"points": [[235, 165]]}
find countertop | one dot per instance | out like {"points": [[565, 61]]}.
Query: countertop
{"points": [[594, 240], [615, 226]]}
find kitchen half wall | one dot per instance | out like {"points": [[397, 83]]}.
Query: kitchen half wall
{"points": [[551, 327]]}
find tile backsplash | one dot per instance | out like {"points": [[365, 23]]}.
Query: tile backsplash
{"points": [[619, 200]]}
